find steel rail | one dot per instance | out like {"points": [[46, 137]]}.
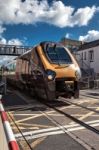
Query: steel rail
{"points": [[20, 131], [67, 101], [89, 96], [72, 118]]}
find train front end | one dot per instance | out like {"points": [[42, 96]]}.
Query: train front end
{"points": [[61, 69]]}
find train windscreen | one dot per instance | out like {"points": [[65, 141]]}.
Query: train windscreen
{"points": [[58, 55]]}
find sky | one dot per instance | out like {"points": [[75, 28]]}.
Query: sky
{"points": [[28, 22]]}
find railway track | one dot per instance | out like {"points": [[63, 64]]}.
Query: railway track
{"points": [[74, 118], [62, 129], [76, 104], [89, 96]]}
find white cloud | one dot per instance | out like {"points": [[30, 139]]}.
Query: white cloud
{"points": [[15, 42], [33, 11], [90, 36], [83, 15], [67, 35], [2, 29], [11, 42], [5, 59], [3, 41]]}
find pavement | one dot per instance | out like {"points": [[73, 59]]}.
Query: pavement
{"points": [[3, 140]]}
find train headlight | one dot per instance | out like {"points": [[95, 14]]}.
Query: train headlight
{"points": [[78, 74], [50, 74]]}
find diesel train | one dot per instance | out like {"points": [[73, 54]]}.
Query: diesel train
{"points": [[48, 70]]}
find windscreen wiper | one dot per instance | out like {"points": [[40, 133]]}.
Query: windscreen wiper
{"points": [[56, 54]]}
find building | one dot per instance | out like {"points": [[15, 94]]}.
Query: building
{"points": [[72, 45], [88, 57]]}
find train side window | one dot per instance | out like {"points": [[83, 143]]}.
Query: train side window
{"points": [[26, 67], [19, 64], [29, 69], [22, 66]]}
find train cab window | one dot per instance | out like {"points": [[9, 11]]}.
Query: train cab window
{"points": [[58, 55]]}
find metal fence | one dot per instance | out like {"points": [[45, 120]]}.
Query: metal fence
{"points": [[3, 85], [89, 82]]}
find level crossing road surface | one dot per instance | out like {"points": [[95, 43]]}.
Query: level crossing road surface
{"points": [[39, 127]]}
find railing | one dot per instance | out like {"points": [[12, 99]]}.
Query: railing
{"points": [[85, 72], [89, 82], [13, 50]]}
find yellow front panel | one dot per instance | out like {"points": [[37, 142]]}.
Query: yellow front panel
{"points": [[62, 71]]}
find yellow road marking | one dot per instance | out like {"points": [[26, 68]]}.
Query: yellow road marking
{"points": [[37, 142], [37, 114], [24, 145], [14, 127], [28, 118], [37, 125], [25, 114], [32, 117], [85, 116], [88, 114]]}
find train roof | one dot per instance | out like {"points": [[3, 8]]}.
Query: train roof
{"points": [[50, 43], [43, 44]]}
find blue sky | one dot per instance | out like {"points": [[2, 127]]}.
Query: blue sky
{"points": [[28, 22]]}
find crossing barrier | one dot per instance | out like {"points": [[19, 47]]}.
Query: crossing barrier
{"points": [[8, 131]]}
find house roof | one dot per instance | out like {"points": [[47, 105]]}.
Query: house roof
{"points": [[89, 45]]}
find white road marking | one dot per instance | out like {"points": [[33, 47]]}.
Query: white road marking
{"points": [[56, 130]]}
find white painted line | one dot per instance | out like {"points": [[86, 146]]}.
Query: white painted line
{"points": [[1, 107], [31, 136], [0, 96], [9, 133], [68, 127]]}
